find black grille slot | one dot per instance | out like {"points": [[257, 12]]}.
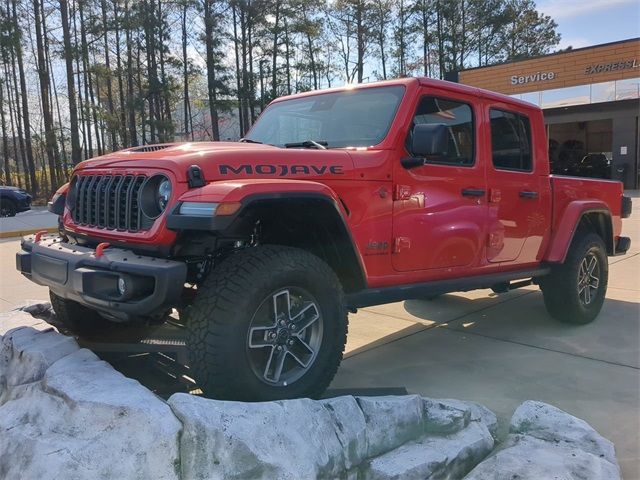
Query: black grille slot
{"points": [[109, 201]]}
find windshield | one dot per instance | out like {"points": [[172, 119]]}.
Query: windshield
{"points": [[351, 118]]}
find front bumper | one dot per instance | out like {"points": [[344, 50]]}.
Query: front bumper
{"points": [[74, 272]]}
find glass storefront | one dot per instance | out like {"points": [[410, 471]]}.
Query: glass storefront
{"points": [[582, 149], [584, 94]]}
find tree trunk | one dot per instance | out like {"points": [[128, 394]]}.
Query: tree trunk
{"points": [[76, 152], [287, 54], [18, 119], [209, 23], [5, 143], [237, 54], [123, 110], [185, 72], [84, 119], [360, 39], [107, 64], [274, 60], [13, 106], [45, 92], [131, 106], [25, 109]]}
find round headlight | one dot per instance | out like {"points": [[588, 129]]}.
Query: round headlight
{"points": [[164, 194], [155, 195]]}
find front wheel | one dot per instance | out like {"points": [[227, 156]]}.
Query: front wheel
{"points": [[268, 323], [7, 208], [77, 318], [574, 292]]}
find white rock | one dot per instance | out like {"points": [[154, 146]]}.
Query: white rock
{"points": [[445, 416], [291, 439], [350, 428], [26, 353], [551, 424], [391, 421], [85, 420], [481, 413], [449, 456], [527, 458]]}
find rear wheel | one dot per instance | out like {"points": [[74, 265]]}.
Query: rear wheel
{"points": [[268, 323], [574, 292]]}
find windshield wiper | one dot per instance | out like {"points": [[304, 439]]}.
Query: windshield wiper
{"points": [[320, 145], [248, 140]]}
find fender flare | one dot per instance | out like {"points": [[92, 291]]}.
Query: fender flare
{"points": [[246, 195], [239, 194], [573, 214]]}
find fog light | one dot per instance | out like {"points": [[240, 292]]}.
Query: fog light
{"points": [[122, 286]]}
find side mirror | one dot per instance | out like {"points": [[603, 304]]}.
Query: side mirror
{"points": [[430, 140]]}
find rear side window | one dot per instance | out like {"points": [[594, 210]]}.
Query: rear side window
{"points": [[458, 118], [510, 141]]}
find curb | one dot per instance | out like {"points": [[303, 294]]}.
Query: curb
{"points": [[22, 233]]}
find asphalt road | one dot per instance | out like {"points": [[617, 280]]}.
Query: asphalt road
{"points": [[496, 349]]}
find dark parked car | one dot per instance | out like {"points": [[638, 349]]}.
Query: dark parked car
{"points": [[13, 200], [593, 165]]}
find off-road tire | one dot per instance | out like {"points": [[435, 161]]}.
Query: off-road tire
{"points": [[7, 208], [561, 287], [219, 320], [78, 318]]}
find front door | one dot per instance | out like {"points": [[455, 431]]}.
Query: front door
{"points": [[439, 208]]}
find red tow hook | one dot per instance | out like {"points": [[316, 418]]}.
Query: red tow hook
{"points": [[39, 235], [100, 248]]}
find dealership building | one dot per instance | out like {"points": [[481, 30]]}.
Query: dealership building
{"points": [[591, 102]]}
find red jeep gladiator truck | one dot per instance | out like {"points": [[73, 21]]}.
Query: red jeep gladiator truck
{"points": [[334, 200]]}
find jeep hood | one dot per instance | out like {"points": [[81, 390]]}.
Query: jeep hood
{"points": [[230, 160]]}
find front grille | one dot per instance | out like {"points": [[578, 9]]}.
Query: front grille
{"points": [[108, 201]]}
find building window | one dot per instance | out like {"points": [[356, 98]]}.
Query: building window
{"points": [[581, 149], [458, 118], [510, 141]]}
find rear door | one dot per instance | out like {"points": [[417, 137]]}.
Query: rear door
{"points": [[439, 208], [518, 194]]}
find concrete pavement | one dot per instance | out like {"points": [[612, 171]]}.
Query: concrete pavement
{"points": [[39, 218], [496, 349]]}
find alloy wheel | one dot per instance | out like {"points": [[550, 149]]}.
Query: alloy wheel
{"points": [[588, 279], [284, 337]]}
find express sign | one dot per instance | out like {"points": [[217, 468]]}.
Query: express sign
{"points": [[611, 67]]}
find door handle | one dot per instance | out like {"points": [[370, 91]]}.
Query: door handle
{"points": [[528, 194], [473, 192]]}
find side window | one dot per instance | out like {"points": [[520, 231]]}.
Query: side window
{"points": [[510, 141], [458, 118]]}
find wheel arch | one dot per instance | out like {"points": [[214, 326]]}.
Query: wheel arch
{"points": [[578, 217], [310, 221]]}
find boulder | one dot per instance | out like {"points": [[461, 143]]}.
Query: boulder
{"points": [[26, 354], [445, 416], [432, 457], [289, 439], [546, 442], [527, 458], [350, 427], [449, 415], [548, 423], [480, 413], [82, 419], [391, 421]]}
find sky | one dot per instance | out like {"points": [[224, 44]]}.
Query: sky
{"points": [[583, 23]]}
